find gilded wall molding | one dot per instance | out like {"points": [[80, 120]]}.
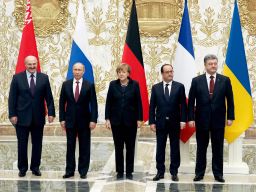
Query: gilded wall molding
{"points": [[157, 18], [49, 16], [247, 10]]}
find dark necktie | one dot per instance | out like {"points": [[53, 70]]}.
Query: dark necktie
{"points": [[211, 85], [166, 92], [77, 91], [32, 84]]}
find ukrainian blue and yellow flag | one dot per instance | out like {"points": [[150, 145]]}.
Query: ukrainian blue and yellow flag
{"points": [[236, 69]]}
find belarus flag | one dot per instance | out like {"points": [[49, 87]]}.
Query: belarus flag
{"points": [[133, 57], [80, 47], [184, 64], [28, 41]]}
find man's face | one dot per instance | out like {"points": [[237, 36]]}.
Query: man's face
{"points": [[167, 73], [31, 64], [78, 71], [211, 66]]}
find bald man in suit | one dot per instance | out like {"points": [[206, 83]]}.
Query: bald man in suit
{"points": [[28, 92]]}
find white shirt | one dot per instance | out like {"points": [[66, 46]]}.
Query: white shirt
{"points": [[169, 86], [79, 84], [209, 79], [29, 77]]}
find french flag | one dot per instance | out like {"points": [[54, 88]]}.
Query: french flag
{"points": [[184, 63], [80, 47]]}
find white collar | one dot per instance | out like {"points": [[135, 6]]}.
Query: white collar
{"points": [[209, 75]]}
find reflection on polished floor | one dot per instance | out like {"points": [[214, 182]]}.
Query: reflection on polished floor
{"points": [[107, 183], [101, 176]]}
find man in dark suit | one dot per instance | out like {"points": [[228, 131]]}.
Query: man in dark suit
{"points": [[28, 92], [78, 115], [211, 92], [167, 115]]}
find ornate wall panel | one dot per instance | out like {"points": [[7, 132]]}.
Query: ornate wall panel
{"points": [[107, 24]]}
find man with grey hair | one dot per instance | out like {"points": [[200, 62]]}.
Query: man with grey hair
{"points": [[78, 116], [210, 92]]}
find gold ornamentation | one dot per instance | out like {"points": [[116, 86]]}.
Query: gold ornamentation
{"points": [[212, 29], [49, 16], [157, 18], [247, 13]]}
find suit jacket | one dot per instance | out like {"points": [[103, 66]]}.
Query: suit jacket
{"points": [[130, 100], [79, 113], [175, 107], [210, 112], [22, 104]]}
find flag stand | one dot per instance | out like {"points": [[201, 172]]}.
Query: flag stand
{"points": [[235, 162], [186, 166], [138, 164]]}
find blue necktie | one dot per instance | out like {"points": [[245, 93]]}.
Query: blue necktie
{"points": [[166, 92]]}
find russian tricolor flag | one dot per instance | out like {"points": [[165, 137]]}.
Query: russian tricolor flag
{"points": [[80, 47], [184, 64]]}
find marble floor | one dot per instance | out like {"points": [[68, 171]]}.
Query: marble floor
{"points": [[101, 176]]}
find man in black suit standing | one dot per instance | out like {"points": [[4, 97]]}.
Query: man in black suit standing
{"points": [[78, 115], [167, 115], [211, 92], [28, 92]]}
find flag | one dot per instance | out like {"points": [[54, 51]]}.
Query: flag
{"points": [[184, 63], [236, 69], [80, 47], [28, 41], [132, 56]]}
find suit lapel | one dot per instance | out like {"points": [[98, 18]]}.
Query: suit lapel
{"points": [[161, 87], [205, 84], [216, 85], [71, 90], [118, 86], [173, 88], [82, 91], [38, 80], [25, 81]]}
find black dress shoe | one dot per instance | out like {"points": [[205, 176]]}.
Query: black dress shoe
{"points": [[22, 173], [198, 178], [219, 179], [119, 176], [68, 175], [83, 176], [158, 177], [175, 178], [36, 172], [129, 176]]}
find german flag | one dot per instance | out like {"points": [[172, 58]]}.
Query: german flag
{"points": [[132, 56]]}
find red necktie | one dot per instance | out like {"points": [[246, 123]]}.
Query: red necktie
{"points": [[211, 85], [77, 91]]}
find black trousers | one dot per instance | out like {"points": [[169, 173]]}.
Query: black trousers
{"points": [[22, 133], [123, 135], [217, 141], [174, 138], [84, 138]]}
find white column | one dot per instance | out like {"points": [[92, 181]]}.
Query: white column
{"points": [[235, 162], [186, 166]]}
